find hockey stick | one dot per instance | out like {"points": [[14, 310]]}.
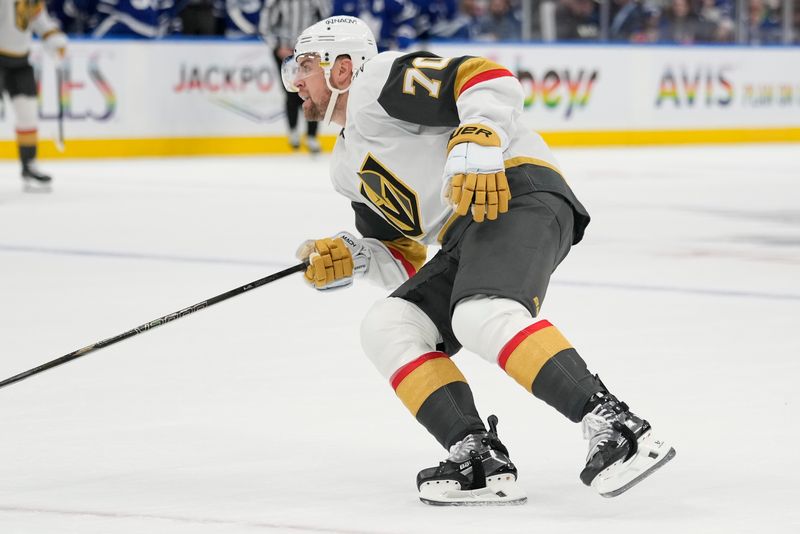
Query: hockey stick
{"points": [[60, 95], [152, 324]]}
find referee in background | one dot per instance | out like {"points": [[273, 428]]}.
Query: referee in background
{"points": [[281, 23]]}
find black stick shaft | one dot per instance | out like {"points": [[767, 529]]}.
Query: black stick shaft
{"points": [[152, 324], [60, 96]]}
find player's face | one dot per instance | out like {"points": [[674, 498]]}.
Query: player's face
{"points": [[311, 86]]}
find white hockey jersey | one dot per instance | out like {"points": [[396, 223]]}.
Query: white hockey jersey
{"points": [[17, 19], [401, 111], [389, 159]]}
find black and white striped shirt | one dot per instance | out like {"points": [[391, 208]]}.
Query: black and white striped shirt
{"points": [[282, 21]]}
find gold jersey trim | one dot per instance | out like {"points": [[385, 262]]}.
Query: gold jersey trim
{"points": [[15, 55], [471, 68], [414, 252], [522, 160]]}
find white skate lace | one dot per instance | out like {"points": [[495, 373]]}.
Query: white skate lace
{"points": [[461, 450], [598, 429]]}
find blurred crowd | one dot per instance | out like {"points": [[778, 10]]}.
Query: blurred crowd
{"points": [[674, 21], [400, 22]]}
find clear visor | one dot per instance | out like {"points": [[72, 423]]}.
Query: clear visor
{"points": [[295, 69]]}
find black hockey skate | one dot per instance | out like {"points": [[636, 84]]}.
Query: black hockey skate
{"points": [[35, 180], [622, 449], [478, 472], [312, 143], [294, 140]]}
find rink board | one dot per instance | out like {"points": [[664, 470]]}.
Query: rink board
{"points": [[125, 98]]}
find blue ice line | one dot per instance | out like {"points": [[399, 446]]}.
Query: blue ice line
{"points": [[272, 264], [136, 256], [181, 519], [683, 290]]}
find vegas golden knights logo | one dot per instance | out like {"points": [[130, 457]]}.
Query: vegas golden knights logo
{"points": [[396, 200]]}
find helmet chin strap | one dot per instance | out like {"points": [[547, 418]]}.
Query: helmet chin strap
{"points": [[334, 96]]}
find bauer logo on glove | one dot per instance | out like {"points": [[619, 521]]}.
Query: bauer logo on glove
{"points": [[473, 133]]}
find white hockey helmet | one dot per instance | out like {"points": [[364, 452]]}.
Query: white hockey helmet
{"points": [[337, 36], [328, 39], [325, 41]]}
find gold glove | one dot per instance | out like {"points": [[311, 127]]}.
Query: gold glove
{"points": [[329, 261], [487, 194], [476, 173]]}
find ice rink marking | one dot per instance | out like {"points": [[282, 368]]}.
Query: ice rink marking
{"points": [[278, 265], [180, 519]]}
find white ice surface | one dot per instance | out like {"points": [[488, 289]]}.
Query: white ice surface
{"points": [[260, 414]]}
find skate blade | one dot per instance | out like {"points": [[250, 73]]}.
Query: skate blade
{"points": [[500, 491], [619, 477], [32, 186]]}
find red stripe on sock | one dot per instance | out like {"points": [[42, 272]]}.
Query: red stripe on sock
{"points": [[484, 76], [511, 346], [402, 259], [408, 368], [33, 131]]}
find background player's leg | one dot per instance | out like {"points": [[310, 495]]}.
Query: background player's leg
{"points": [[21, 86], [311, 139], [292, 103]]}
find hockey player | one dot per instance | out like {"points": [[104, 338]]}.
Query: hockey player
{"points": [[17, 19], [432, 152]]}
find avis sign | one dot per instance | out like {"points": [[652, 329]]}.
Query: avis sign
{"points": [[687, 87]]}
